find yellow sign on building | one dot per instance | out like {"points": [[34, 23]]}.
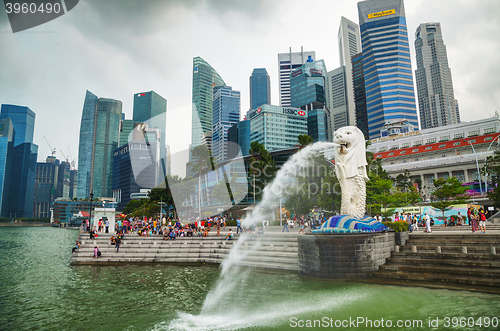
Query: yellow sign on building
{"points": [[382, 13]]}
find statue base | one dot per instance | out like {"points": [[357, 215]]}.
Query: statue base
{"points": [[350, 224]]}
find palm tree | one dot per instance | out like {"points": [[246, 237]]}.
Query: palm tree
{"points": [[204, 162], [304, 140]]}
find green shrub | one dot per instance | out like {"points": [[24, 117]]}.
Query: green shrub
{"points": [[399, 226]]}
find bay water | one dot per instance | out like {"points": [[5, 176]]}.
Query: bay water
{"points": [[40, 290]]}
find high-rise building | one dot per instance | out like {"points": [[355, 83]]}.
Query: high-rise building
{"points": [[436, 100], [390, 94], [277, 127], [307, 92], [99, 136], [358, 80], [135, 164], [349, 45], [6, 153], [225, 113], [45, 187], [288, 62], [21, 183], [260, 88], [239, 134], [126, 127], [151, 108], [204, 79], [336, 96]]}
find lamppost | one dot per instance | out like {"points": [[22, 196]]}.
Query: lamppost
{"points": [[90, 217], [477, 166], [485, 157], [281, 213]]}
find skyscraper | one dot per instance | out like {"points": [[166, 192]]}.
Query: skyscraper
{"points": [[6, 153], [436, 100], [349, 45], [260, 88], [45, 187], [336, 96], [359, 94], [151, 108], [204, 79], [288, 62], [307, 92], [21, 184], [126, 127], [99, 136], [390, 94], [225, 113]]}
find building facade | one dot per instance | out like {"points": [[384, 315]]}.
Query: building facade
{"points": [[151, 108], [277, 127], [349, 45], [205, 77], [288, 62], [260, 88], [6, 153], [239, 135], [307, 92], [358, 80], [390, 94], [126, 127], [21, 184], [436, 99], [45, 187], [99, 137], [226, 113], [449, 151]]}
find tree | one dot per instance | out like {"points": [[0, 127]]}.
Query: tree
{"points": [[492, 168], [204, 163], [132, 206], [262, 168], [304, 140], [449, 191], [403, 181]]}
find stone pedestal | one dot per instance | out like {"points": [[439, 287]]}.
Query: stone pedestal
{"points": [[343, 256]]}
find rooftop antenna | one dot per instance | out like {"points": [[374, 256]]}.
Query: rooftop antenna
{"points": [[53, 150]]}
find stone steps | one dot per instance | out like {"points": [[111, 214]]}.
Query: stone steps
{"points": [[477, 268], [270, 251]]}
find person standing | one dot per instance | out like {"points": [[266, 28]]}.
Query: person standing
{"points": [[238, 225], [285, 226], [427, 223], [107, 225]]}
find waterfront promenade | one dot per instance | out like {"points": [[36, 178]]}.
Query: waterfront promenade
{"points": [[449, 257]]}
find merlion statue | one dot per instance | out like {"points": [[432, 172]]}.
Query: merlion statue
{"points": [[350, 167]]}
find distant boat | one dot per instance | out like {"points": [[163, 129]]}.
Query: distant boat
{"points": [[75, 223]]}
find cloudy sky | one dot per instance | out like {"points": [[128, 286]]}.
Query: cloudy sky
{"points": [[115, 48]]}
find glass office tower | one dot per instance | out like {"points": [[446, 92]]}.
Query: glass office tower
{"points": [[225, 113], [358, 80], [204, 79], [390, 94], [99, 136], [260, 88], [20, 184], [151, 108]]}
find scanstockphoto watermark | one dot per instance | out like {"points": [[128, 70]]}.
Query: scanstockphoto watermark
{"points": [[27, 14], [363, 323]]}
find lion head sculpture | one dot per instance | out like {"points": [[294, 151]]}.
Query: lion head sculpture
{"points": [[351, 154]]}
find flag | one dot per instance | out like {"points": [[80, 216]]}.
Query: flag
{"points": [[458, 154]]}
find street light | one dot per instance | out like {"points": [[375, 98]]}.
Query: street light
{"points": [[281, 223], [477, 166], [90, 217]]}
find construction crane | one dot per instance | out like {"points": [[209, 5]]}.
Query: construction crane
{"points": [[67, 160], [53, 150], [72, 160]]}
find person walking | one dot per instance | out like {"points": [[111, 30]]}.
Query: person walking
{"points": [[238, 225], [107, 225], [118, 241], [482, 221]]}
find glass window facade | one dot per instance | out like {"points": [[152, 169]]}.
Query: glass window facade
{"points": [[225, 113], [260, 88], [384, 40]]}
